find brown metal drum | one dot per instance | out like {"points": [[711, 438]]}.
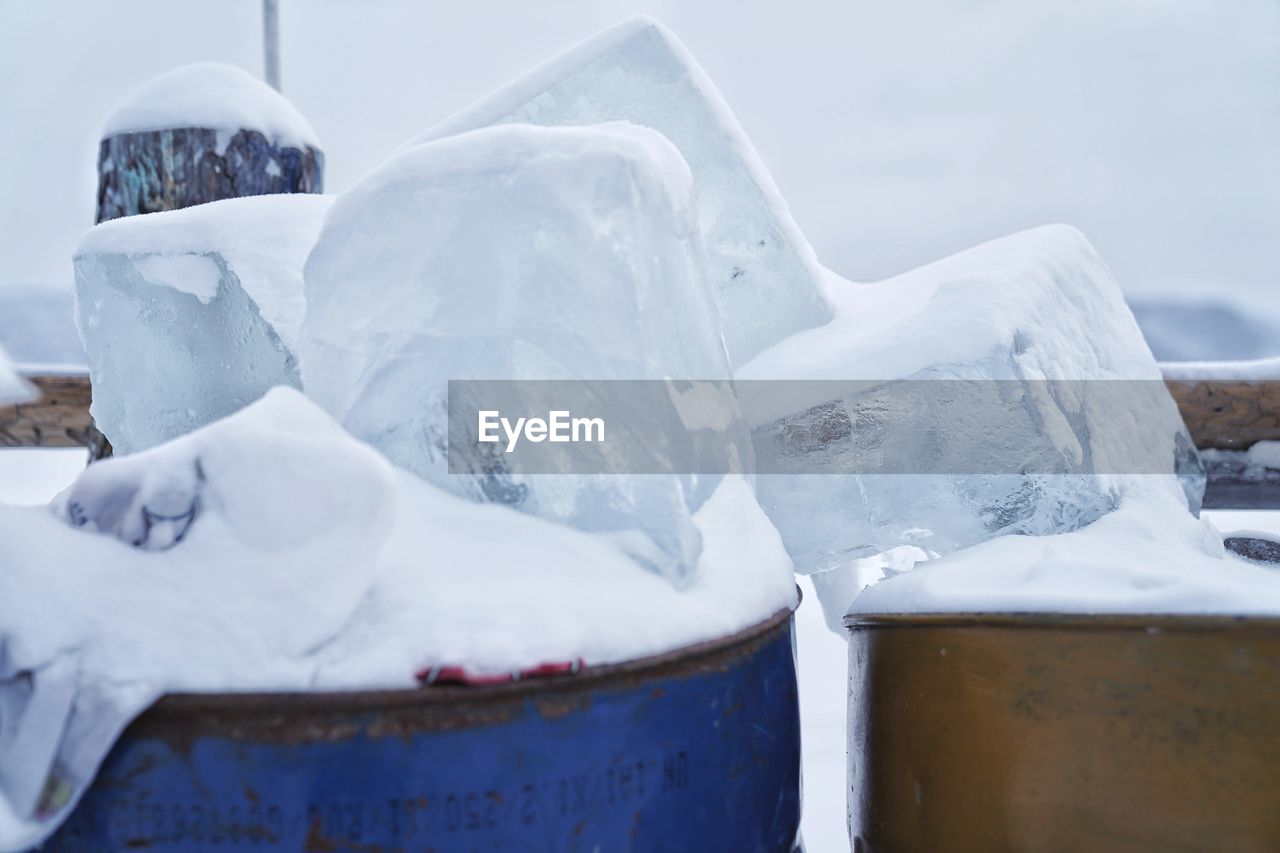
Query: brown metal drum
{"points": [[1038, 732]]}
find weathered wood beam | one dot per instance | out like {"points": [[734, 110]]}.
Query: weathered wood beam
{"points": [[59, 418], [1228, 414]]}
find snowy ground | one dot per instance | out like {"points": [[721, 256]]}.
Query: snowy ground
{"points": [[33, 476]]}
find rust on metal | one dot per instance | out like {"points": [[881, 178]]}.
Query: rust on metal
{"points": [[180, 719], [1036, 732], [555, 707]]}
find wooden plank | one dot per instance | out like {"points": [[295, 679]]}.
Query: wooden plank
{"points": [[1228, 414], [59, 418]]}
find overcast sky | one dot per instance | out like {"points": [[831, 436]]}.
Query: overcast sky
{"points": [[898, 132]]}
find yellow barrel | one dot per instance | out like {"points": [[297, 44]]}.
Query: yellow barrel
{"points": [[1045, 732]]}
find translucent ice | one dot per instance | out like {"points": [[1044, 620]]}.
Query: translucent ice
{"points": [[1017, 430], [517, 252], [766, 280], [190, 315]]}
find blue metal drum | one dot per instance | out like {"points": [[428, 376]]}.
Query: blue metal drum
{"points": [[695, 750]]}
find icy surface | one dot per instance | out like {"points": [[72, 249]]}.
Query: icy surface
{"points": [[516, 252], [312, 563], [1149, 556], [189, 315], [1038, 305], [1262, 368], [214, 95], [767, 282], [13, 388]]}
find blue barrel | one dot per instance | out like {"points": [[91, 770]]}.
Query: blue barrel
{"points": [[695, 750]]}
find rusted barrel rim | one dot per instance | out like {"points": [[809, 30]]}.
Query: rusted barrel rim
{"points": [[1032, 620], [707, 655]]}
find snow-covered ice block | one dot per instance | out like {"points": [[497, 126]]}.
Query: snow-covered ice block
{"points": [[766, 279], [13, 388], [1034, 441], [189, 315], [517, 252]]}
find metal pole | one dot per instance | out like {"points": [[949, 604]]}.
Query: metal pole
{"points": [[271, 42]]}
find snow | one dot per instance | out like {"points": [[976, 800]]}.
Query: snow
{"points": [[822, 675], [1252, 370], [13, 388], [1149, 556], [1259, 457], [517, 253], [214, 95], [1264, 454], [189, 315], [382, 574], [197, 275], [766, 278], [533, 591]]}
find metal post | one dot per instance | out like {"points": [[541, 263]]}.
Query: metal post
{"points": [[271, 42]]}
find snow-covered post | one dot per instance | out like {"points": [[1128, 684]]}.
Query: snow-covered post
{"points": [[201, 133]]}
